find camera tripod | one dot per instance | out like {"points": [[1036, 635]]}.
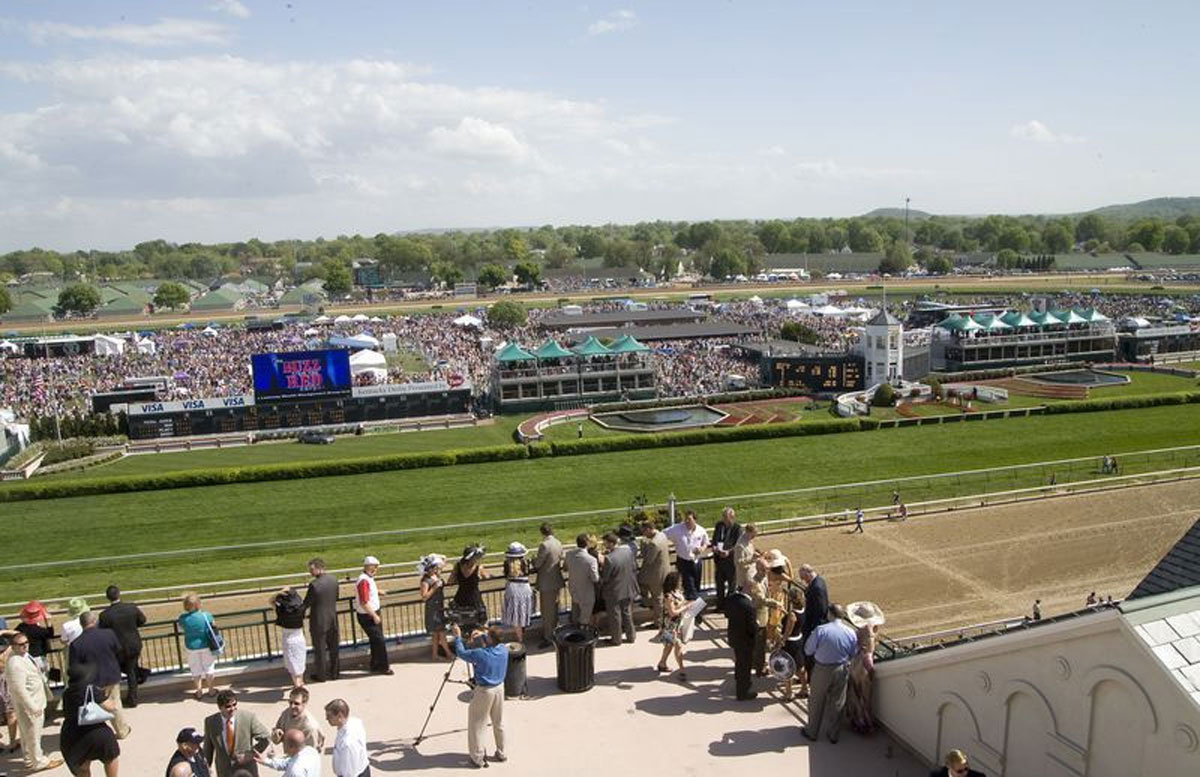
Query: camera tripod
{"points": [[469, 682]]}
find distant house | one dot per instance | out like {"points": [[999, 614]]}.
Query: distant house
{"points": [[222, 299]]}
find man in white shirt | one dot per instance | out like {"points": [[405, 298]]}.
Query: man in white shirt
{"points": [[350, 746], [690, 539], [302, 760]]}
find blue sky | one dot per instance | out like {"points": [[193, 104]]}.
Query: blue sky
{"points": [[224, 119]]}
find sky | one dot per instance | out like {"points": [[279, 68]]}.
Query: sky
{"points": [[222, 120]]}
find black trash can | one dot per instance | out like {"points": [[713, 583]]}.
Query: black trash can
{"points": [[515, 678], [576, 653]]}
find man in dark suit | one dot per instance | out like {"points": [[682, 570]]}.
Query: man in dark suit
{"points": [[321, 602], [124, 619], [619, 587], [548, 566], [724, 537], [231, 736], [99, 649], [816, 612], [739, 611]]}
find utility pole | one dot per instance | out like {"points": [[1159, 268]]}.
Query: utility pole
{"points": [[906, 237]]}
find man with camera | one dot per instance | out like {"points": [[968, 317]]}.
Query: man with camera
{"points": [[489, 657]]}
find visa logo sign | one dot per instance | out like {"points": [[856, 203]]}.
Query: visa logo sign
{"points": [[193, 404], [234, 402], [153, 407]]}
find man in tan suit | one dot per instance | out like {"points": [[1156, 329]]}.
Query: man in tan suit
{"points": [[231, 737], [656, 563], [548, 566], [745, 556], [27, 691]]}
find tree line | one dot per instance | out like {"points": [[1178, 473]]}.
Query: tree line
{"points": [[716, 248]]}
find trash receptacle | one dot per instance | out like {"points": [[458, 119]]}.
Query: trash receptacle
{"points": [[576, 653], [515, 678]]}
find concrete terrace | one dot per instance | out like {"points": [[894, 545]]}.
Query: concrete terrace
{"points": [[633, 721]]}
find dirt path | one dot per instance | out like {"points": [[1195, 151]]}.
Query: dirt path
{"points": [[971, 566]]}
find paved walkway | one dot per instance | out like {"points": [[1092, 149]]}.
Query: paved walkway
{"points": [[633, 721]]}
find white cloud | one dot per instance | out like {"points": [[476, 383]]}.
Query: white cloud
{"points": [[478, 138], [162, 33], [231, 7], [617, 21], [1038, 132]]}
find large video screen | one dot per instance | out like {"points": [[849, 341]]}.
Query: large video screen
{"points": [[301, 375]]}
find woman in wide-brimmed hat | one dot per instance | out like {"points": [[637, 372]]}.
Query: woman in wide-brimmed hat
{"points": [[518, 596], [467, 574], [433, 593], [35, 624], [866, 617]]}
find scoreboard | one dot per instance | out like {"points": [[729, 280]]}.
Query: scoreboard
{"points": [[816, 373]]}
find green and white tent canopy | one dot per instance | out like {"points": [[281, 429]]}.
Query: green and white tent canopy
{"points": [[626, 344], [1018, 319], [1046, 319], [514, 353], [1091, 314], [992, 323], [957, 323], [552, 350], [591, 347], [1069, 317]]}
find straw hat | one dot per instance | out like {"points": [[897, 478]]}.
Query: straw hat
{"points": [[774, 558], [865, 614], [77, 606], [33, 612], [515, 550]]}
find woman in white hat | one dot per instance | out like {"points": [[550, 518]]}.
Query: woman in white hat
{"points": [[518, 596], [866, 617], [433, 593]]}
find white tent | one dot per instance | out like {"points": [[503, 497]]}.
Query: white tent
{"points": [[368, 360], [755, 300], [10, 347], [367, 340], [467, 319], [389, 342], [109, 346], [360, 317], [310, 332], [208, 331], [146, 345], [322, 320], [829, 310], [796, 306], [342, 319], [376, 319]]}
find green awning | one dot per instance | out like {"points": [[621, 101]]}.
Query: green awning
{"points": [[1018, 319], [514, 353], [626, 344], [552, 350], [1045, 319], [957, 323], [1091, 314], [591, 347], [991, 322]]}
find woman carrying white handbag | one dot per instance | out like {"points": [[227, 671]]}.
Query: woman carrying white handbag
{"points": [[86, 735]]}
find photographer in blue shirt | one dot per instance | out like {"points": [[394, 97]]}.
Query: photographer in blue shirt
{"points": [[489, 656]]}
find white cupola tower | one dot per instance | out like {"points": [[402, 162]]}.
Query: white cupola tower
{"points": [[883, 349]]}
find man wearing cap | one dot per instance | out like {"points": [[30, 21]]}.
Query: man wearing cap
{"points": [[99, 648], [321, 601], [831, 647], [28, 693], [124, 619], [548, 566], [618, 585], [367, 610], [187, 751]]}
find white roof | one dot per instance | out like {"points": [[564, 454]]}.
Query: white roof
{"points": [[468, 320], [322, 319], [367, 359], [361, 317], [342, 319]]}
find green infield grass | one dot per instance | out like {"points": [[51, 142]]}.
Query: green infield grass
{"points": [[83, 534]]}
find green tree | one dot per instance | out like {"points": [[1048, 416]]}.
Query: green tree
{"points": [[558, 256], [1006, 258], [402, 254], [726, 262], [863, 239], [897, 259], [939, 264], [797, 332], [79, 298], [444, 272], [1149, 233], [775, 237], [885, 396], [1176, 240], [1014, 237], [1056, 239], [337, 278], [515, 250], [5, 301], [1091, 227], [591, 243], [170, 295], [492, 275], [506, 314], [528, 273]]}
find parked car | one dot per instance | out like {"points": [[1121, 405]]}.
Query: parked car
{"points": [[316, 437]]}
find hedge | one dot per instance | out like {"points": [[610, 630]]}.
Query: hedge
{"points": [[404, 461]]}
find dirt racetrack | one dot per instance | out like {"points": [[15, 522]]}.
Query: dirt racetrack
{"points": [[970, 566]]}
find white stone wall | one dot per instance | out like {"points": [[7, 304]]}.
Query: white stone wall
{"points": [[1084, 697]]}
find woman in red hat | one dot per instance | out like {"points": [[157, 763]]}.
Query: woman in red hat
{"points": [[35, 624]]}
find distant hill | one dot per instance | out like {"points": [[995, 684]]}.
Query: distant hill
{"points": [[1166, 208], [897, 213]]}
